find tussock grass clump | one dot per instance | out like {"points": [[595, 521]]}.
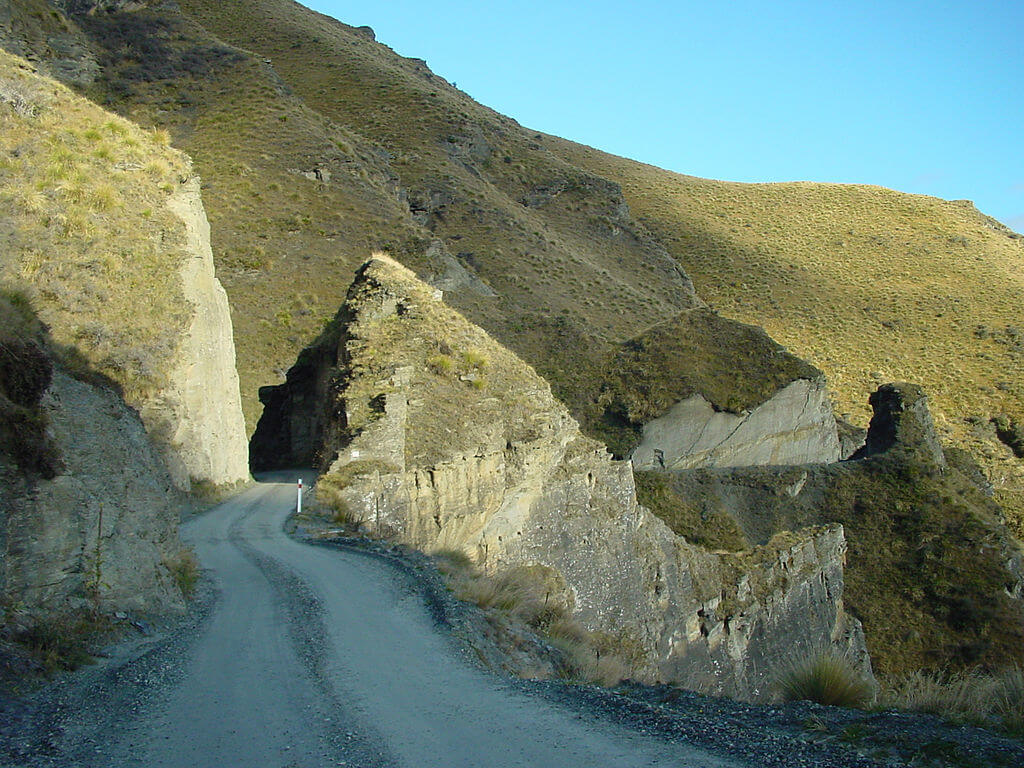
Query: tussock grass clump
{"points": [[185, 572], [962, 696], [1008, 699], [441, 364], [343, 516], [534, 596], [825, 678], [970, 696], [58, 642]]}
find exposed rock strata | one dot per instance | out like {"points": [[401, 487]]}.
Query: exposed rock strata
{"points": [[197, 418], [703, 390], [438, 437], [795, 426], [927, 542], [54, 554]]}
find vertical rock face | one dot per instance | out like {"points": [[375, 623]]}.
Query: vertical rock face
{"points": [[901, 420], [197, 418], [795, 426], [290, 430], [102, 526], [437, 436], [130, 287]]}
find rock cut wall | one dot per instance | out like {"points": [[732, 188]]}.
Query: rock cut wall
{"points": [[440, 438], [198, 415], [101, 530]]}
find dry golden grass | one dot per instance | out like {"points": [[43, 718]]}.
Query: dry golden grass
{"points": [[548, 264], [77, 245], [824, 678], [971, 696], [868, 284], [185, 572], [520, 593]]}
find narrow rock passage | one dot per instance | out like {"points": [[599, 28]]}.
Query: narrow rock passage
{"points": [[317, 657]]}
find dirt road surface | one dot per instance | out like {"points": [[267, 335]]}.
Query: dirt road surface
{"points": [[308, 657]]}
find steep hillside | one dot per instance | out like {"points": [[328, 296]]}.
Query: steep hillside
{"points": [[101, 217], [316, 143], [869, 284]]}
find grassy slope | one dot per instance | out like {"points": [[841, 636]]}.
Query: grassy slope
{"points": [[259, 92], [569, 265], [79, 181], [869, 284], [285, 245]]}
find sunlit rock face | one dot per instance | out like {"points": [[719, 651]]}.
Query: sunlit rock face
{"points": [[795, 426], [433, 434], [196, 419]]}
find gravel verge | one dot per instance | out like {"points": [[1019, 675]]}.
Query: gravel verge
{"points": [[785, 735], [65, 721]]}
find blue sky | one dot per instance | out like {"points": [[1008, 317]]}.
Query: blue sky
{"points": [[924, 97]]}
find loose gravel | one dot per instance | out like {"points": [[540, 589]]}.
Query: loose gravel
{"points": [[71, 721]]}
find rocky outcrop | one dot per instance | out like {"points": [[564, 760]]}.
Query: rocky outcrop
{"points": [[450, 275], [98, 529], [902, 422], [129, 283], [912, 517], [701, 390], [197, 418], [438, 437], [795, 426]]}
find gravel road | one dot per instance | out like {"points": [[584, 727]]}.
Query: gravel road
{"points": [[304, 656], [296, 655]]}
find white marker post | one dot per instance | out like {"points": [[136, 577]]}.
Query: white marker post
{"points": [[298, 500]]}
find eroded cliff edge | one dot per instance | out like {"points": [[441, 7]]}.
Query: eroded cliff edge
{"points": [[90, 516], [108, 241], [934, 574], [430, 432]]}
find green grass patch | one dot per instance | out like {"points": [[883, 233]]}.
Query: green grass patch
{"points": [[716, 530], [824, 678]]}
